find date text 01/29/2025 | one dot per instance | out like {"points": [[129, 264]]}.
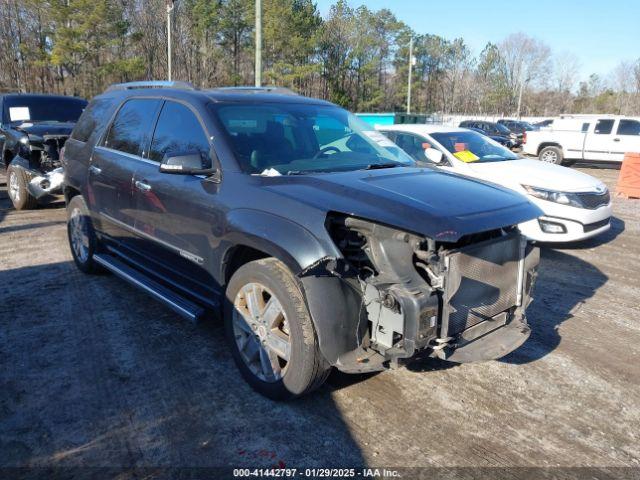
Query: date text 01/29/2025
{"points": [[316, 472]]}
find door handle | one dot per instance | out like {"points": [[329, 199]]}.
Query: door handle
{"points": [[95, 170], [616, 139], [143, 187]]}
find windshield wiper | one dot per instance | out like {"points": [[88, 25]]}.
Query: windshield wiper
{"points": [[376, 166], [304, 172]]}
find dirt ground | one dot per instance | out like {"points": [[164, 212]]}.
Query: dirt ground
{"points": [[96, 374]]}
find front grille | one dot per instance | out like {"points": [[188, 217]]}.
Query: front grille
{"points": [[482, 281], [594, 200], [596, 225]]}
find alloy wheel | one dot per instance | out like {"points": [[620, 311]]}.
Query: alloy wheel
{"points": [[549, 156], [78, 235], [261, 332], [14, 187]]}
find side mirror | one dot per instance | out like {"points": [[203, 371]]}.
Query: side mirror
{"points": [[433, 155], [187, 163]]}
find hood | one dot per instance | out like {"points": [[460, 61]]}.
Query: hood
{"points": [[432, 203], [537, 174], [39, 129]]}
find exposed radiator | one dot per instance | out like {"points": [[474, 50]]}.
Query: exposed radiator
{"points": [[482, 280]]}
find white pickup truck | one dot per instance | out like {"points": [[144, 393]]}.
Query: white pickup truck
{"points": [[593, 138]]}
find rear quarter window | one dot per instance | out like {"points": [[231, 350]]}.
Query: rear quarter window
{"points": [[92, 119]]}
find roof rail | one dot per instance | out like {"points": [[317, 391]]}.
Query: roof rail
{"points": [[280, 90], [151, 84]]}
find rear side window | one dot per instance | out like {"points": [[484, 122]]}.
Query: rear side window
{"points": [[130, 130], [629, 127], [604, 127], [178, 131], [585, 127]]}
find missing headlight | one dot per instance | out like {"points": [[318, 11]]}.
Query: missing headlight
{"points": [[353, 245]]}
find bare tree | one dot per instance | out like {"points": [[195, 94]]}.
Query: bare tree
{"points": [[526, 60], [622, 80]]}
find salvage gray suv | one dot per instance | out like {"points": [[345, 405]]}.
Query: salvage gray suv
{"points": [[319, 241]]}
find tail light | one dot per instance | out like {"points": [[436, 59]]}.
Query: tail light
{"points": [[62, 155], [524, 138]]}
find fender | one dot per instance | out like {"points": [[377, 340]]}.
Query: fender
{"points": [[25, 165], [8, 146], [11, 141], [279, 237], [334, 306]]}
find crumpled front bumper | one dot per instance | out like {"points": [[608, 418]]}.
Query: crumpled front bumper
{"points": [[492, 345], [474, 310], [44, 184]]}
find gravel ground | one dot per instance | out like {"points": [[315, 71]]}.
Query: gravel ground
{"points": [[96, 374]]}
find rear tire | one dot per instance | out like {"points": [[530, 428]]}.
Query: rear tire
{"points": [[82, 237], [17, 189], [265, 317], [551, 154]]}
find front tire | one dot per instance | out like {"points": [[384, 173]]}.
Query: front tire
{"points": [[551, 154], [271, 333], [82, 237], [17, 189]]}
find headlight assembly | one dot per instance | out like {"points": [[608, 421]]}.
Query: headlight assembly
{"points": [[563, 198]]}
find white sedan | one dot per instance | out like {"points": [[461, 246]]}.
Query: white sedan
{"points": [[575, 205]]}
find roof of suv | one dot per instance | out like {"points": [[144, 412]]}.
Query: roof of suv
{"points": [[225, 94], [258, 95]]}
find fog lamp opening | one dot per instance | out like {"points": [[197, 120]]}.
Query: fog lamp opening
{"points": [[551, 227]]}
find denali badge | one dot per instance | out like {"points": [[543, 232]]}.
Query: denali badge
{"points": [[192, 257]]}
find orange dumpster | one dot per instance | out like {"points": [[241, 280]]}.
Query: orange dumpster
{"points": [[629, 179]]}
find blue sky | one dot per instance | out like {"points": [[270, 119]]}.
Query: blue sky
{"points": [[601, 33]]}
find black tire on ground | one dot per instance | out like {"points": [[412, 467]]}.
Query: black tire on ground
{"points": [[79, 224], [19, 195], [306, 369], [551, 154]]}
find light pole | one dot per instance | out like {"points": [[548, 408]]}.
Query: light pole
{"points": [[411, 59], [170, 7], [258, 73], [522, 83]]}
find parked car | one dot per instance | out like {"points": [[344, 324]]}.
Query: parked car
{"points": [[600, 139], [575, 205], [33, 130], [504, 141], [496, 131], [518, 127], [319, 246]]}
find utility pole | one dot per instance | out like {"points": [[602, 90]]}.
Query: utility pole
{"points": [[522, 82], [258, 73], [410, 75], [170, 6]]}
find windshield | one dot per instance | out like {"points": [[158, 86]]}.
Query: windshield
{"points": [[471, 147], [42, 109], [294, 139]]}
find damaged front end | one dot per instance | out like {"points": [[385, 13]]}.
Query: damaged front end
{"points": [[41, 160], [393, 294]]}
